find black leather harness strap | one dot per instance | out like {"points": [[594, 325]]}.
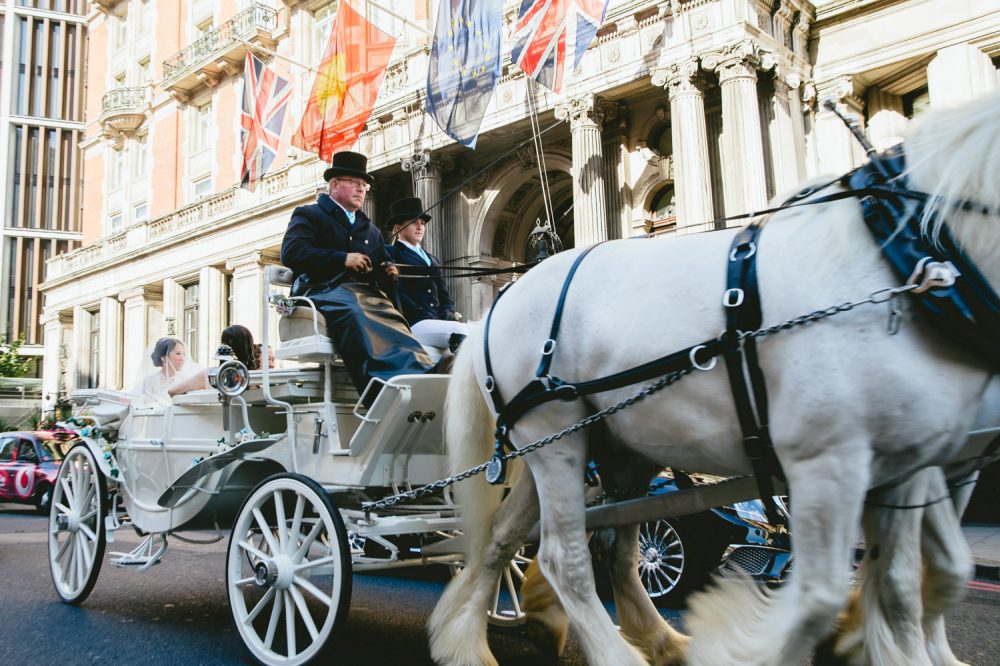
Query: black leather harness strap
{"points": [[742, 304]]}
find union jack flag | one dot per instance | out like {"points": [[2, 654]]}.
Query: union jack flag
{"points": [[265, 97], [546, 29]]}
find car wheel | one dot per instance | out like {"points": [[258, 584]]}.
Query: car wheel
{"points": [[673, 562], [43, 499]]}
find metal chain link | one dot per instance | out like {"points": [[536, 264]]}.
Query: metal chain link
{"points": [[881, 296]]}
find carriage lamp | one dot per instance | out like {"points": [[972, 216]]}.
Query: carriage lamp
{"points": [[230, 379]]}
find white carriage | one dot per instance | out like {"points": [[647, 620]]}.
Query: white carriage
{"points": [[288, 463]]}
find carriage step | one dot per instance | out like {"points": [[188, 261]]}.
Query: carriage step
{"points": [[145, 555]]}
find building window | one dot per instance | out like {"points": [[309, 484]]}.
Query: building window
{"points": [[191, 320], [140, 212], [117, 174], [142, 72], [114, 222], [94, 374], [119, 32], [202, 130], [202, 188], [140, 157], [322, 24], [142, 12]]}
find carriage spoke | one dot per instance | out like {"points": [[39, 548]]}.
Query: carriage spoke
{"points": [[89, 532], [279, 521], [265, 530], [252, 550], [512, 590], [243, 582], [495, 604], [289, 624], [78, 560], [272, 624], [87, 516], [309, 564], [61, 508], [64, 482], [304, 613], [313, 590], [308, 541], [62, 548], [264, 601], [300, 505], [88, 555]]}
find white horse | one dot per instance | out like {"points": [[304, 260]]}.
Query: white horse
{"points": [[852, 407]]}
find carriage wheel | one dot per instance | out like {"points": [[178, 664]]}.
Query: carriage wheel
{"points": [[505, 603], [76, 525], [289, 597]]}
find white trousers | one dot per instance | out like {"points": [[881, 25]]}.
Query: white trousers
{"points": [[437, 332]]}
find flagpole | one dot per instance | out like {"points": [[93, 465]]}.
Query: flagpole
{"points": [[393, 14], [262, 49]]}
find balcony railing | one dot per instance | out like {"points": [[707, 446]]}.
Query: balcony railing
{"points": [[123, 109], [219, 51]]}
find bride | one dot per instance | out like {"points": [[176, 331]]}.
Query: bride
{"points": [[167, 371]]}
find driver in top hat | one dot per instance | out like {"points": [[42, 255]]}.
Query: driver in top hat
{"points": [[339, 260], [422, 293]]}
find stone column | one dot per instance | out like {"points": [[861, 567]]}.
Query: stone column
{"points": [[369, 207], [959, 73], [784, 157], [615, 169], [692, 184], [173, 310], [797, 113], [886, 121], [211, 313], [143, 310], [456, 251], [426, 169], [78, 367], [742, 147], [247, 292], [111, 344], [837, 150], [590, 221], [54, 327]]}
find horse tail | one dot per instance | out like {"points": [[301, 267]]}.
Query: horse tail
{"points": [[469, 428]]}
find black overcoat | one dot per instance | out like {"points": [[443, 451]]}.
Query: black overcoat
{"points": [[319, 237], [424, 297]]}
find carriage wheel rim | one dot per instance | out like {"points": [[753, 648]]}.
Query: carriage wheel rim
{"points": [[274, 591], [661, 558], [75, 532]]}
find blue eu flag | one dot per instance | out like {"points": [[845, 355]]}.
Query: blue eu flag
{"points": [[464, 66]]}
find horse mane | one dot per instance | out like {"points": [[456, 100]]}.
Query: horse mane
{"points": [[954, 155]]}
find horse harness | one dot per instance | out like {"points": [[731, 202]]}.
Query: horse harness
{"points": [[946, 285]]}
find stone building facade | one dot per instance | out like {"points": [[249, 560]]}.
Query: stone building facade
{"points": [[681, 113]]}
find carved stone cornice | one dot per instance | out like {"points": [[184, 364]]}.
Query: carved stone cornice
{"points": [[425, 164], [843, 90], [152, 292], [583, 111], [252, 260]]}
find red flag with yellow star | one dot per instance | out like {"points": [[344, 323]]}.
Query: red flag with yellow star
{"points": [[346, 85]]}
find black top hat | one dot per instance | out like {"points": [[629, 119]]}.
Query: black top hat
{"points": [[405, 210], [346, 163]]}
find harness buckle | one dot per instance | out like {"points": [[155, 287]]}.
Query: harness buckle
{"points": [[692, 356], [732, 297], [489, 383], [750, 246], [930, 274], [548, 347]]}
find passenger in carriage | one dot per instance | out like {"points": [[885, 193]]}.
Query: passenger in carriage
{"points": [[167, 371], [339, 260], [423, 297], [240, 340]]}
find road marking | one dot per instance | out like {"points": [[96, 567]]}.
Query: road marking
{"points": [[984, 586]]}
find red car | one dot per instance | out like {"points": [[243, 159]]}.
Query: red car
{"points": [[29, 462]]}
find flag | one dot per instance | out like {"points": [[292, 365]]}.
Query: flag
{"points": [[464, 65], [346, 85], [265, 98], [545, 29]]}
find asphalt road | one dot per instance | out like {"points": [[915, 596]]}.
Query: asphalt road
{"points": [[177, 612]]}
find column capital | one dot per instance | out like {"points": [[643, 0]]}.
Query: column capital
{"points": [[252, 260], [680, 78], [425, 164], [738, 61], [583, 111], [152, 292], [843, 90]]}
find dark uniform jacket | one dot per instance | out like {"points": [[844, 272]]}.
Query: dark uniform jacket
{"points": [[319, 236], [425, 297]]}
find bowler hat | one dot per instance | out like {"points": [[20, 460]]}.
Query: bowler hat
{"points": [[405, 210], [346, 163]]}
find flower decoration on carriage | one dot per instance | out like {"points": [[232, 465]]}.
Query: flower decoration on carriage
{"points": [[283, 306], [87, 428]]}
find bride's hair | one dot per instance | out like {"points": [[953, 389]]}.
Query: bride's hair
{"points": [[162, 348]]}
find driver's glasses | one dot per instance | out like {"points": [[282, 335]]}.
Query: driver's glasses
{"points": [[356, 183]]}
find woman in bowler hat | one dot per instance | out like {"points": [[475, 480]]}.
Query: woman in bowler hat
{"points": [[422, 294]]}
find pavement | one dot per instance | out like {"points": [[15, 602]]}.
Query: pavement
{"points": [[984, 542]]}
